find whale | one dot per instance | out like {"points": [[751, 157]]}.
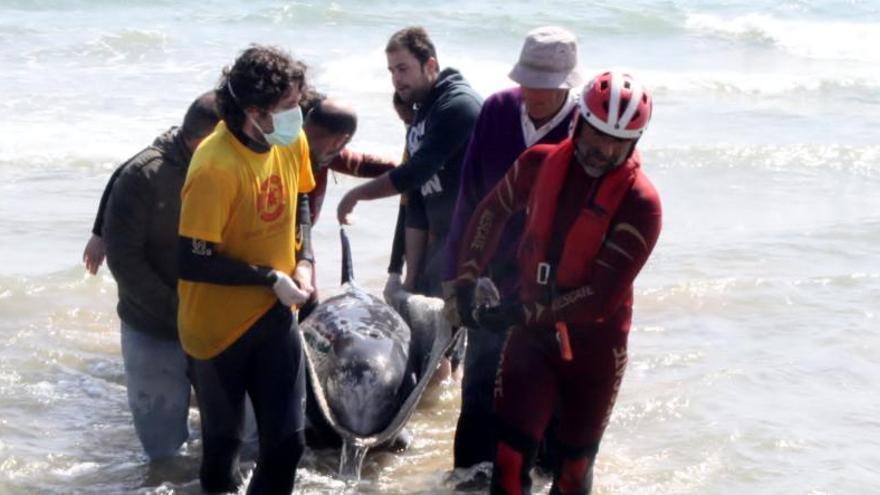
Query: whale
{"points": [[368, 364]]}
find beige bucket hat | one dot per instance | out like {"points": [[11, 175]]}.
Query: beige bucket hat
{"points": [[548, 60]]}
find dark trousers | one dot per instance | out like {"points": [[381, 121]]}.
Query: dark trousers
{"points": [[266, 362], [476, 432]]}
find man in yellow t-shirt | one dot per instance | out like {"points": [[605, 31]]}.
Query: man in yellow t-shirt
{"points": [[242, 268]]}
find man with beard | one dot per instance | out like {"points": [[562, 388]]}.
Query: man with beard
{"points": [[139, 224], [592, 220], [538, 111], [446, 110]]}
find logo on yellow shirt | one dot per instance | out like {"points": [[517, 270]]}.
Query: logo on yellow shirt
{"points": [[270, 203]]}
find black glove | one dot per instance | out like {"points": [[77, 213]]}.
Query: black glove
{"points": [[500, 318], [464, 303]]}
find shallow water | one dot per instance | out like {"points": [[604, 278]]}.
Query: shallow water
{"points": [[753, 356]]}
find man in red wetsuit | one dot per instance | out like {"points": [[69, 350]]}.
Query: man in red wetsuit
{"points": [[593, 218]]}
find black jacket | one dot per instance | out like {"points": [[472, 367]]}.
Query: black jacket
{"points": [[436, 143], [140, 231]]}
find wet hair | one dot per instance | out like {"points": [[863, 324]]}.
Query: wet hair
{"points": [[260, 77], [201, 117], [414, 39], [335, 120]]}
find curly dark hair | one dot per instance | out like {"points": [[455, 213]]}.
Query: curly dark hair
{"points": [[414, 39], [259, 77]]}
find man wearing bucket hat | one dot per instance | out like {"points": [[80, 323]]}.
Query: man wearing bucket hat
{"points": [[538, 111], [592, 220]]}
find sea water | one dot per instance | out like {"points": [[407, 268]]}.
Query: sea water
{"points": [[754, 348]]}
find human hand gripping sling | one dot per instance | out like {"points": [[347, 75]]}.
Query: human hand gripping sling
{"points": [[501, 317], [287, 290]]}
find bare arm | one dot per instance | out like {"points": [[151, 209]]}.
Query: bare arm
{"points": [[380, 187], [96, 248]]}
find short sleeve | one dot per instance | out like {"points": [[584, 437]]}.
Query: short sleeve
{"points": [[207, 200]]}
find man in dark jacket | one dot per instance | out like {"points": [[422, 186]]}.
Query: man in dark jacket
{"points": [[446, 110], [140, 232]]}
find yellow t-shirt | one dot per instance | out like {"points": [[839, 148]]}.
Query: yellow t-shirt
{"points": [[245, 203]]}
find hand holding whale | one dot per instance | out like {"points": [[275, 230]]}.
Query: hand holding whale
{"points": [[287, 291], [380, 187], [393, 286], [464, 305], [499, 318], [346, 206], [462, 300], [302, 276]]}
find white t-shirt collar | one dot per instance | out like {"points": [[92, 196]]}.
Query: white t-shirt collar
{"points": [[531, 135]]}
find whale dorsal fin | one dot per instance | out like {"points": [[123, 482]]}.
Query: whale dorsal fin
{"points": [[347, 267]]}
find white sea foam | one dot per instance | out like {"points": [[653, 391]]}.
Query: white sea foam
{"points": [[763, 83], [826, 39], [755, 318]]}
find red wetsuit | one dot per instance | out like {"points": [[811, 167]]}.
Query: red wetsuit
{"points": [[597, 236]]}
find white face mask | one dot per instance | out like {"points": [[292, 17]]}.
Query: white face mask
{"points": [[287, 125]]}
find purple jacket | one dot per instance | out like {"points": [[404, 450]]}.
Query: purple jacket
{"points": [[496, 142]]}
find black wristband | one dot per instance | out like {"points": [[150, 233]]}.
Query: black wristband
{"points": [[271, 276]]}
